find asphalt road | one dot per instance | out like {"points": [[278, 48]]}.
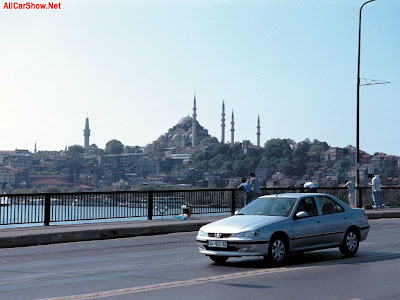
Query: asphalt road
{"points": [[170, 267]]}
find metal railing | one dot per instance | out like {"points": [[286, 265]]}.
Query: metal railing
{"points": [[49, 208]]}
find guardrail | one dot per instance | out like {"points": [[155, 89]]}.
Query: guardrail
{"points": [[48, 208]]}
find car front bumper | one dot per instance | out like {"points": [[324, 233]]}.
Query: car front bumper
{"points": [[235, 248]]}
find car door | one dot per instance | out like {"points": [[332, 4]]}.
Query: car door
{"points": [[333, 220], [306, 232]]}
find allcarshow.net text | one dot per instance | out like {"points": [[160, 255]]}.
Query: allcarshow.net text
{"points": [[31, 5]]}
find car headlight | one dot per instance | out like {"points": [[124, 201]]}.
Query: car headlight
{"points": [[202, 233], [247, 234]]}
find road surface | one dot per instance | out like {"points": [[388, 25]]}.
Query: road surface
{"points": [[170, 267]]}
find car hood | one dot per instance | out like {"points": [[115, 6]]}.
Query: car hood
{"points": [[240, 223]]}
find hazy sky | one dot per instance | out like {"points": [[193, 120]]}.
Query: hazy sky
{"points": [[134, 66]]}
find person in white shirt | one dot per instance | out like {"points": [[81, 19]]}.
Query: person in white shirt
{"points": [[350, 186], [310, 187], [376, 190]]}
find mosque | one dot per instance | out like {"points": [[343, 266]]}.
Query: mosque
{"points": [[188, 133]]}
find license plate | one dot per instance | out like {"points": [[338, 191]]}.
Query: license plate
{"points": [[218, 244]]}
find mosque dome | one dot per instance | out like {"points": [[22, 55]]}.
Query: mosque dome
{"points": [[181, 134], [176, 137], [185, 120]]}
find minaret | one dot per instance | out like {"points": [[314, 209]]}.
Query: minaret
{"points": [[35, 148], [86, 134], [233, 131], [194, 123], [223, 123], [258, 131]]}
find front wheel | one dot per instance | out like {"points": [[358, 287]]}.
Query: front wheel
{"points": [[219, 259], [277, 251], [349, 246]]}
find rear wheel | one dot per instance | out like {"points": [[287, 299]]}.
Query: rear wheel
{"points": [[349, 246], [277, 250], [219, 259]]}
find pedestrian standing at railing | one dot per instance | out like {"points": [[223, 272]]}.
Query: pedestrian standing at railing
{"points": [[352, 198], [248, 192], [255, 185], [376, 190]]}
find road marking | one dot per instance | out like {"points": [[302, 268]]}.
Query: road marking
{"points": [[165, 285], [170, 284]]}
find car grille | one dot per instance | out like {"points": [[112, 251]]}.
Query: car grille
{"points": [[229, 248], [222, 235]]}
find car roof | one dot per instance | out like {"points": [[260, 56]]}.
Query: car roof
{"points": [[296, 195]]}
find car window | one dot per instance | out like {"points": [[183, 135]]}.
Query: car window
{"points": [[308, 205], [271, 206], [329, 206]]}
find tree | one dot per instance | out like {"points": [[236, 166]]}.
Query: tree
{"points": [[95, 150], [277, 155], [132, 149], [76, 150], [341, 174], [210, 141], [275, 148], [221, 149], [316, 149], [300, 158], [114, 147]]}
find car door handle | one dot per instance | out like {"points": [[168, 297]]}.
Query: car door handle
{"points": [[345, 218], [318, 222]]}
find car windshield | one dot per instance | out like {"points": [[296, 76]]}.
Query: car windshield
{"points": [[271, 206]]}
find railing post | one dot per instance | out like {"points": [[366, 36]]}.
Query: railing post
{"points": [[47, 209], [233, 202], [150, 206]]}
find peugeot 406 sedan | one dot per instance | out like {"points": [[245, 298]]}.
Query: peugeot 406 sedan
{"points": [[275, 226]]}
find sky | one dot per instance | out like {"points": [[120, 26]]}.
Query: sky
{"points": [[133, 67]]}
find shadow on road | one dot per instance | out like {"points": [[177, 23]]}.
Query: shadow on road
{"points": [[325, 257]]}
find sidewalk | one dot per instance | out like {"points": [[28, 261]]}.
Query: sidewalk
{"points": [[42, 235]]}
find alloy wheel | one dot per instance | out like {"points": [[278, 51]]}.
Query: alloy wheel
{"points": [[278, 250], [351, 241]]}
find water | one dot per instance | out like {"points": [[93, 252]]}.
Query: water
{"points": [[12, 216]]}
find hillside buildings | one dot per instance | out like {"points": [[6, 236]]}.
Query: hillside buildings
{"points": [[163, 164]]}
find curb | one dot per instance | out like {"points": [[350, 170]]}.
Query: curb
{"points": [[73, 235], [380, 214]]}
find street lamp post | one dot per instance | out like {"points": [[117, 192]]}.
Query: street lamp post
{"points": [[357, 183]]}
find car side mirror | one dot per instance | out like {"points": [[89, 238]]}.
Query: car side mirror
{"points": [[301, 215], [236, 212]]}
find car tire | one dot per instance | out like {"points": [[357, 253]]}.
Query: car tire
{"points": [[219, 259], [277, 251], [351, 241]]}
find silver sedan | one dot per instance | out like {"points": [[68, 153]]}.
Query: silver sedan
{"points": [[275, 226]]}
